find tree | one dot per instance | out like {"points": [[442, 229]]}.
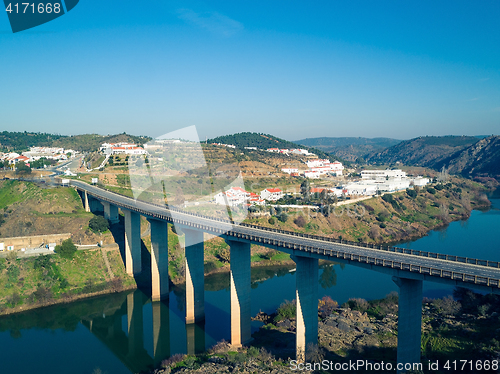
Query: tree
{"points": [[99, 224], [283, 217], [305, 190], [22, 168], [66, 249], [411, 192]]}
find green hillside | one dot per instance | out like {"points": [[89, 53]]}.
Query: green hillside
{"points": [[265, 141], [349, 148], [21, 141]]}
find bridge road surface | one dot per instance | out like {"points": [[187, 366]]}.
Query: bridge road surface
{"points": [[413, 266]]}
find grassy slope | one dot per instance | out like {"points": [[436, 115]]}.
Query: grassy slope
{"points": [[49, 279]]}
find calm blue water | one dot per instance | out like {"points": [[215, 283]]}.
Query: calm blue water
{"points": [[83, 336]]}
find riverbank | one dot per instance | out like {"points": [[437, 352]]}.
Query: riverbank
{"points": [[359, 330], [35, 282]]}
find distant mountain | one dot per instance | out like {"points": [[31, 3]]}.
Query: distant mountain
{"points": [[349, 148], [423, 151], [480, 159], [21, 141], [265, 141]]}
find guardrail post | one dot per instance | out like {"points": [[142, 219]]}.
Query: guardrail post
{"points": [[132, 242], [241, 332], [409, 320], [159, 259], [307, 304], [195, 276]]}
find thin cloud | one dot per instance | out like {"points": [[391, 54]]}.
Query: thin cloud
{"points": [[474, 99], [213, 22]]}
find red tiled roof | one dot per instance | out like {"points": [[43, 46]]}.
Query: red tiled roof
{"points": [[273, 190]]}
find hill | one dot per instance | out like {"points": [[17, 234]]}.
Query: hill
{"points": [[21, 141], [422, 151], [480, 159], [265, 141], [349, 148]]}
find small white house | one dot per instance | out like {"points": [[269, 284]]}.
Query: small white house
{"points": [[271, 194]]}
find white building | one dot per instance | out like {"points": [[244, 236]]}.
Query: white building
{"points": [[290, 170], [271, 194], [382, 174], [232, 197], [420, 181]]}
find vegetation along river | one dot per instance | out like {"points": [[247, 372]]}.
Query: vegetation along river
{"points": [[93, 336]]}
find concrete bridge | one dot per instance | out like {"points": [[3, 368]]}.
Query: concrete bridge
{"points": [[409, 268]]}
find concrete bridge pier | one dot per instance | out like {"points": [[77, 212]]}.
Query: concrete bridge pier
{"points": [[307, 304], [409, 320], [161, 332], [132, 242], [86, 201], [195, 275], [240, 293], [135, 324], [110, 212], [159, 259]]}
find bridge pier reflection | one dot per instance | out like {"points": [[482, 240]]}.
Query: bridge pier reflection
{"points": [[409, 320], [307, 304], [161, 332], [135, 323], [195, 333]]}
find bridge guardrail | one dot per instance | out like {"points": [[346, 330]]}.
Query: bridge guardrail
{"points": [[464, 277]]}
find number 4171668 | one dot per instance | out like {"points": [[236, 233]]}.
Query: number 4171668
{"points": [[31, 8]]}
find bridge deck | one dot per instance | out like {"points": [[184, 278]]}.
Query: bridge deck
{"points": [[431, 265]]}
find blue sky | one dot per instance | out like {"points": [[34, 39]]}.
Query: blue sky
{"points": [[396, 69]]}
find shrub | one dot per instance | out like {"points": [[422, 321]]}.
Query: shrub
{"points": [[357, 304], [326, 306], [300, 221], [388, 198], [272, 221], [447, 305], [99, 224], [383, 216], [66, 249], [382, 225], [287, 310], [431, 190], [411, 193], [283, 217]]}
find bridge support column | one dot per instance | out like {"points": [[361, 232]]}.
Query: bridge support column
{"points": [[86, 201], [132, 242], [161, 332], [159, 259], [110, 212], [240, 293], [195, 276], [409, 320], [135, 323], [307, 304]]}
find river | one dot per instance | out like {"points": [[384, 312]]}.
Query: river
{"points": [[93, 336]]}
